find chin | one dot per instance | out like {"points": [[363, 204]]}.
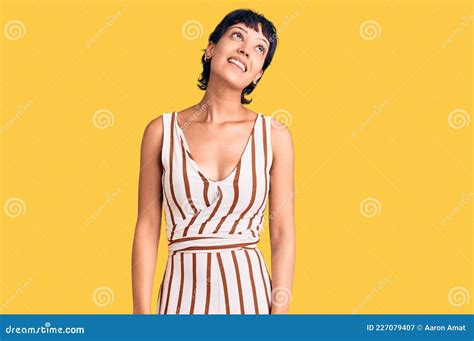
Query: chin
{"points": [[233, 79]]}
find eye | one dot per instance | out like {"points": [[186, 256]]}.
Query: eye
{"points": [[237, 33], [262, 49]]}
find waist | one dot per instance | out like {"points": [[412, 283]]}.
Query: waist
{"points": [[195, 244]]}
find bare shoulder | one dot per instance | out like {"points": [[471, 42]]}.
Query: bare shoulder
{"points": [[282, 140], [186, 113], [153, 134], [252, 114]]}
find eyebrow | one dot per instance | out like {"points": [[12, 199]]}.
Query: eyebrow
{"points": [[247, 32]]}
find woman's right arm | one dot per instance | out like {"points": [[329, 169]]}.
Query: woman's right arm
{"points": [[148, 225]]}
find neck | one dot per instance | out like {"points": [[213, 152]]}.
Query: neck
{"points": [[221, 103]]}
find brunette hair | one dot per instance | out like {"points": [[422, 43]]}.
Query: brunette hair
{"points": [[251, 19]]}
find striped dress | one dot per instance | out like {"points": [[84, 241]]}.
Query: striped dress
{"points": [[214, 265]]}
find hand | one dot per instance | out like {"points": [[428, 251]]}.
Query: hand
{"points": [[141, 311], [279, 310]]}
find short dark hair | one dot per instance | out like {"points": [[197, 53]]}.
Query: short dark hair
{"points": [[250, 19]]}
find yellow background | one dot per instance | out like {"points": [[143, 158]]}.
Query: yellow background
{"points": [[366, 88]]}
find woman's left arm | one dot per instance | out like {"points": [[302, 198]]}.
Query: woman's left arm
{"points": [[281, 217]]}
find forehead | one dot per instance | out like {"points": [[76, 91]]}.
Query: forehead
{"points": [[248, 29]]}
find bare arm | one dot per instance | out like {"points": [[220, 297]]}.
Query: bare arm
{"points": [[147, 230], [282, 231]]}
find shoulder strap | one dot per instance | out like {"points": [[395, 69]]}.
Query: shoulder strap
{"points": [[166, 140], [268, 133]]}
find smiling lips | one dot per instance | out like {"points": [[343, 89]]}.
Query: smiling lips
{"points": [[239, 63]]}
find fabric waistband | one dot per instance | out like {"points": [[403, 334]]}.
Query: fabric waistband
{"points": [[211, 244]]}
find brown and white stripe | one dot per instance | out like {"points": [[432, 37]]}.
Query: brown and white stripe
{"points": [[226, 282], [213, 228]]}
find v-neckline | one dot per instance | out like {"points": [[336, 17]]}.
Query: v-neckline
{"points": [[193, 160]]}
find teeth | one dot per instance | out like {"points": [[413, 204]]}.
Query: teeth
{"points": [[238, 63]]}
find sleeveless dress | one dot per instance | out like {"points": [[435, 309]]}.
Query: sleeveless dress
{"points": [[213, 227]]}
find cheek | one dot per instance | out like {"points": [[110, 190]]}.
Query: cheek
{"points": [[227, 45], [257, 65]]}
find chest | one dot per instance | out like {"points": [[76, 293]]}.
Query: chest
{"points": [[218, 151]]}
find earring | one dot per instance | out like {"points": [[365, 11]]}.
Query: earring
{"points": [[206, 59]]}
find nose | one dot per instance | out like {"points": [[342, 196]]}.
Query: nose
{"points": [[242, 50]]}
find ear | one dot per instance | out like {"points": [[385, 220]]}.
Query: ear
{"points": [[260, 74], [210, 48]]}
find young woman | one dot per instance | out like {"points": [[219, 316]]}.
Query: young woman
{"points": [[212, 167]]}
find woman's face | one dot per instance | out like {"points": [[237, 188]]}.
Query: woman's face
{"points": [[239, 55]]}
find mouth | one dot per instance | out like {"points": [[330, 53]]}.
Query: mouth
{"points": [[238, 63]]}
